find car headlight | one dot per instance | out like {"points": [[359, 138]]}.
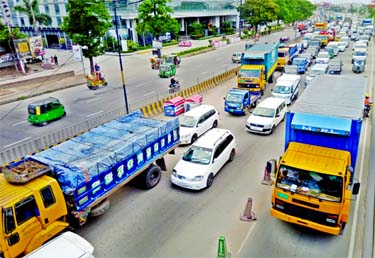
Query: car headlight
{"points": [[197, 178], [267, 126], [174, 173]]}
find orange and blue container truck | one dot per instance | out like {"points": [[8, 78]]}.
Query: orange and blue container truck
{"points": [[314, 179]]}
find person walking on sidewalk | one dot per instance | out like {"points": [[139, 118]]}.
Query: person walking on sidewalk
{"points": [[55, 59]]}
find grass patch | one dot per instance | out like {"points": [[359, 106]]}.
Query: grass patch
{"points": [[21, 98], [193, 50]]}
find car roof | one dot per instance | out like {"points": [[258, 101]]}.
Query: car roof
{"points": [[199, 110], [271, 102], [211, 137], [43, 101]]}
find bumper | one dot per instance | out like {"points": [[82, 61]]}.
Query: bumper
{"points": [[185, 140], [259, 130], [234, 111], [334, 72], [188, 184], [305, 223]]}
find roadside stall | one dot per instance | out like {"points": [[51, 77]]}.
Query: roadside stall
{"points": [[193, 101], [174, 107]]}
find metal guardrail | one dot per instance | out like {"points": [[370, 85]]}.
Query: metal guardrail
{"points": [[38, 144]]}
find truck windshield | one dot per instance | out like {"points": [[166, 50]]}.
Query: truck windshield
{"points": [[358, 53], [281, 54], [264, 112], [250, 73], [187, 121], [281, 89], [198, 155], [310, 183], [234, 97]]}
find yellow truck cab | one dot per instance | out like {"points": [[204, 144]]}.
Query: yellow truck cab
{"points": [[283, 58], [31, 214]]}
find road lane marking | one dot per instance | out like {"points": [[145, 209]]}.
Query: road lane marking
{"points": [[356, 208], [204, 72], [246, 238], [91, 100], [96, 113], [150, 93], [19, 123], [139, 85], [14, 143]]}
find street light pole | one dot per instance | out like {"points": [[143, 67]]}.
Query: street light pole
{"points": [[239, 23], [119, 56]]}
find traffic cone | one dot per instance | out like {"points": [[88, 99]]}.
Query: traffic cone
{"points": [[266, 177], [248, 215], [222, 251]]}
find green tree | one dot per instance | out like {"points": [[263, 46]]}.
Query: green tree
{"points": [[87, 22], [259, 12], [285, 14], [31, 10], [154, 16], [227, 27], [5, 37], [196, 29]]}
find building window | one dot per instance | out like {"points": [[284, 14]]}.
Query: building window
{"points": [[22, 21], [57, 9], [59, 21], [46, 8]]}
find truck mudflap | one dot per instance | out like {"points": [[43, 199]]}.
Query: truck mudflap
{"points": [[334, 230]]}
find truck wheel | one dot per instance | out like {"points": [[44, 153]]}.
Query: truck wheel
{"points": [[151, 177], [100, 208], [271, 79]]}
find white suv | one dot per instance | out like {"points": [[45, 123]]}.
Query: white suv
{"points": [[196, 122], [204, 159]]}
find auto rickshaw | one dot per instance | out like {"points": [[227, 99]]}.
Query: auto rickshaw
{"points": [[358, 66], [95, 80], [43, 111], [172, 59], [167, 70]]}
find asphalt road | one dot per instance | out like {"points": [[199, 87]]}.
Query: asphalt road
{"points": [[142, 83], [172, 222]]}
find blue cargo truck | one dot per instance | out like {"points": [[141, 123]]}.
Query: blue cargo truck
{"points": [[61, 186], [314, 181], [237, 101], [258, 63]]}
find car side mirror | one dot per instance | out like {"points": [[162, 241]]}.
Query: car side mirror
{"points": [[199, 125], [224, 98]]}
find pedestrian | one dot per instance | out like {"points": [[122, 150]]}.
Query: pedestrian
{"points": [[55, 59], [52, 60]]}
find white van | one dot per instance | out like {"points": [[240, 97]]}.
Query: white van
{"points": [[359, 54], [287, 87], [67, 244], [266, 116], [335, 47], [316, 69], [196, 122]]}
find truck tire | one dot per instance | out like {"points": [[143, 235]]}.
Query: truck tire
{"points": [[100, 208], [151, 176], [271, 79]]}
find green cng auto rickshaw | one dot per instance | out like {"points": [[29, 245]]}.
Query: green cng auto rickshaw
{"points": [[167, 70], [43, 111]]}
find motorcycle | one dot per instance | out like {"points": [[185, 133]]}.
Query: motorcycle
{"points": [[366, 111], [174, 88]]}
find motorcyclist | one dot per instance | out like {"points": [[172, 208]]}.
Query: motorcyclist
{"points": [[174, 82]]}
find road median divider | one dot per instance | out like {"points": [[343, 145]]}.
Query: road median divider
{"points": [[156, 108]]}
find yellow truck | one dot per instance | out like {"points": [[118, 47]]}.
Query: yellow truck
{"points": [[286, 55], [45, 193], [258, 64], [314, 182]]}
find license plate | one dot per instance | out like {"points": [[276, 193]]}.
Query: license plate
{"points": [[256, 128], [231, 110]]}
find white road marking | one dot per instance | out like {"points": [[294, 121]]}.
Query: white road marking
{"points": [[150, 93], [19, 123], [356, 208], [204, 72], [246, 238], [91, 100], [139, 85], [14, 143], [96, 113]]}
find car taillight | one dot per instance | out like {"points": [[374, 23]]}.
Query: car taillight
{"points": [[332, 219]]}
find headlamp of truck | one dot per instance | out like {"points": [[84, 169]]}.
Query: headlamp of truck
{"points": [[279, 204], [332, 219]]}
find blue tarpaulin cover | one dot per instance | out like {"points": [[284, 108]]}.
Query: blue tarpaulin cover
{"points": [[77, 160]]}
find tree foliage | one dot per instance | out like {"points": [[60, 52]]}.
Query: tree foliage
{"points": [[154, 16], [5, 37], [87, 22], [259, 12], [196, 29], [30, 8], [294, 10]]}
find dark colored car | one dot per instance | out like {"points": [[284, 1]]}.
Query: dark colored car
{"points": [[284, 39]]}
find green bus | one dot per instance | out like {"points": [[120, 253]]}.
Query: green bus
{"points": [[43, 111]]}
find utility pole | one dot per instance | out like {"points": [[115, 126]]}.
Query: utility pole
{"points": [[239, 23], [119, 56]]}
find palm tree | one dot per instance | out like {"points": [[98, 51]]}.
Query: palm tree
{"points": [[31, 9]]}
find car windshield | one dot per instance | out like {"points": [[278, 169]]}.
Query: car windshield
{"points": [[359, 53], [310, 183], [359, 62], [31, 109], [232, 97], [250, 73], [264, 112], [198, 155], [290, 70], [298, 61], [187, 121], [282, 89]]}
